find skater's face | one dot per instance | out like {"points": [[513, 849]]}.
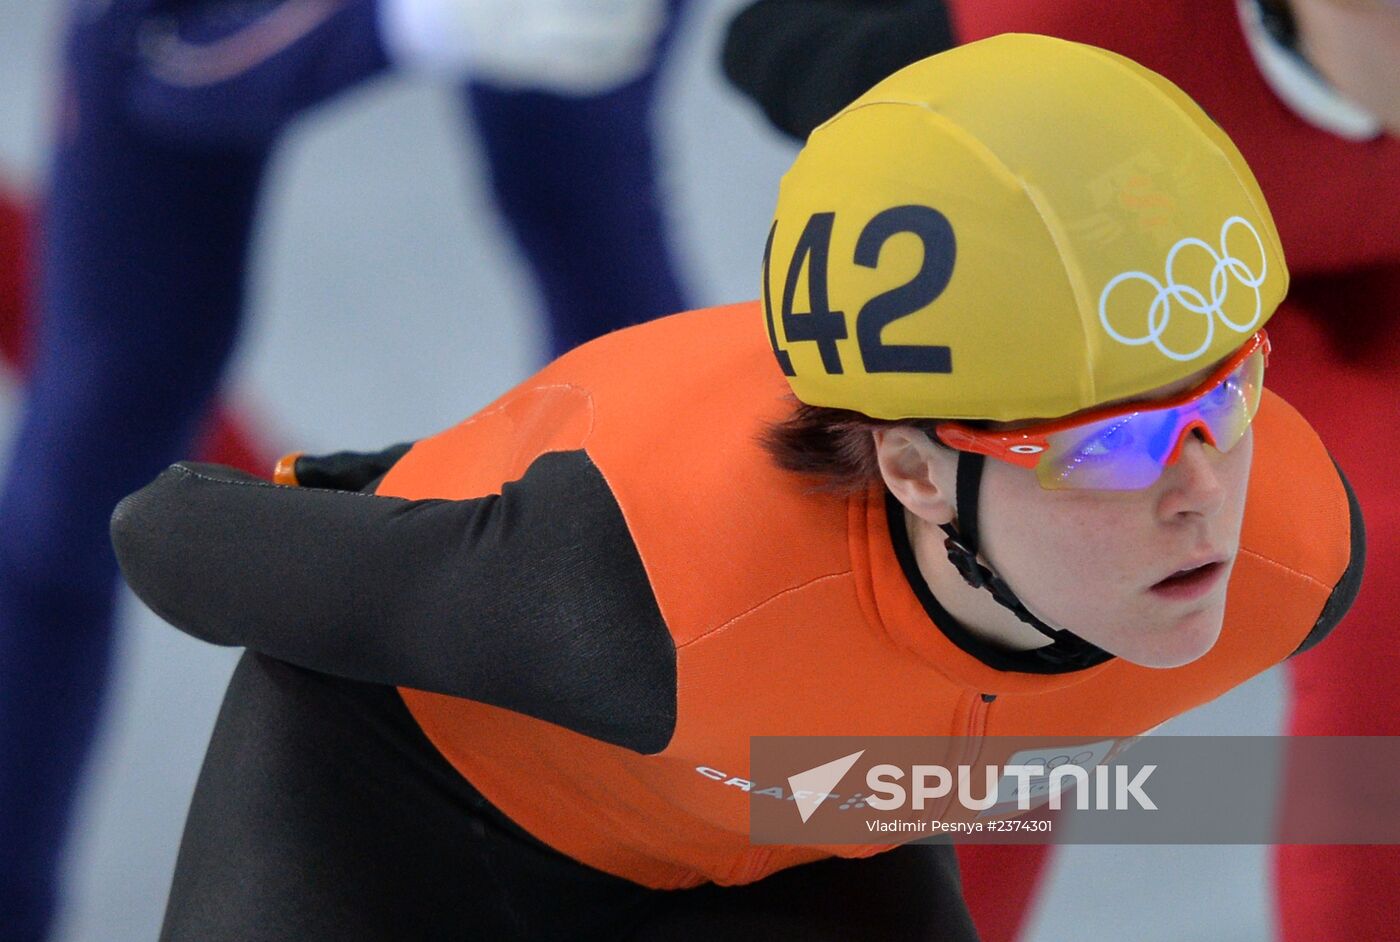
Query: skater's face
{"points": [[1103, 564]]}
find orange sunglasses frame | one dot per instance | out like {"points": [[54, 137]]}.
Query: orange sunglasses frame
{"points": [[1026, 446]]}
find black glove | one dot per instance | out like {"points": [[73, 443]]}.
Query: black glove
{"points": [[341, 470]]}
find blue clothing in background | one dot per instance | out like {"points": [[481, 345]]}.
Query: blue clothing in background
{"points": [[169, 111]]}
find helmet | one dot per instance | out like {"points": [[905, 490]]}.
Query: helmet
{"points": [[1019, 228]]}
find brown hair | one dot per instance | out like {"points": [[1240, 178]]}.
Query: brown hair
{"points": [[832, 444]]}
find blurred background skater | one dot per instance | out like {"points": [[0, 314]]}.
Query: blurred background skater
{"points": [[1310, 91], [166, 120], [574, 174]]}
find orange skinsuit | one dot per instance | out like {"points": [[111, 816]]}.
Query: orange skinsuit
{"points": [[789, 611]]}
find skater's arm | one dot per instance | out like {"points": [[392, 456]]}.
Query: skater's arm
{"points": [[534, 599]]}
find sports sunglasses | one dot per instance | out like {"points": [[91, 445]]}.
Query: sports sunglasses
{"points": [[1126, 447]]}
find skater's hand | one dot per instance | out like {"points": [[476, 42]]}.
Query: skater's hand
{"points": [[569, 47], [338, 471]]}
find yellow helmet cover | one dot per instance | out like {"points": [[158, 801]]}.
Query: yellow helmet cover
{"points": [[1018, 228]]}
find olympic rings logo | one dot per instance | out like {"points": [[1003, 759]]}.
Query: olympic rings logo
{"points": [[1192, 299]]}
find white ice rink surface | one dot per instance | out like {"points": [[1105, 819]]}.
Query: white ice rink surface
{"points": [[387, 305]]}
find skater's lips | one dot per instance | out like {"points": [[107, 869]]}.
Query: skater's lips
{"points": [[1191, 580]]}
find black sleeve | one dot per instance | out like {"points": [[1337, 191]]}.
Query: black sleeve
{"points": [[802, 61], [534, 599], [1344, 592]]}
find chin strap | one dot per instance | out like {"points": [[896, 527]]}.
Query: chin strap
{"points": [[1067, 647]]}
